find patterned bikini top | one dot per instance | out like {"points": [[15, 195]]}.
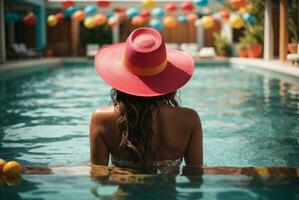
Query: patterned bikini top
{"points": [[159, 163]]}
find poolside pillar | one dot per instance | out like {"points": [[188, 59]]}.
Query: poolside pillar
{"points": [[2, 33], [227, 31], [199, 35], [115, 31], [75, 36], [283, 35], [41, 27], [10, 34], [268, 31]]}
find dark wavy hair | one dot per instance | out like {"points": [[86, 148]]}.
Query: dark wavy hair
{"points": [[136, 121]]}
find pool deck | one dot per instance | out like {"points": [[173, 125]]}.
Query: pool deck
{"points": [[25, 64], [272, 65]]}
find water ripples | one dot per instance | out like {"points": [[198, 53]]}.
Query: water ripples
{"points": [[248, 119]]}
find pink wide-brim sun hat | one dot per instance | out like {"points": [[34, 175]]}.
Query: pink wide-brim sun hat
{"points": [[142, 66]]}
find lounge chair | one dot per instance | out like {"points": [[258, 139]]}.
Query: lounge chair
{"points": [[191, 48], [21, 51], [294, 57], [207, 52], [172, 45], [91, 50]]}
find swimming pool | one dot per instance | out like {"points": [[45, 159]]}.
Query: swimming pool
{"points": [[69, 184], [249, 118]]}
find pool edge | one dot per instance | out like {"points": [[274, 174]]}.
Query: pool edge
{"points": [[267, 65], [217, 170], [271, 66]]}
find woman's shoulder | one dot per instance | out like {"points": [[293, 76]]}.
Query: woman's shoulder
{"points": [[188, 111], [103, 115], [185, 112], [103, 109], [185, 115]]}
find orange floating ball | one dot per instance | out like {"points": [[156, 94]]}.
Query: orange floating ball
{"points": [[224, 14], [12, 169], [2, 163], [192, 17], [79, 15], [238, 3], [99, 19], [137, 20], [170, 22]]}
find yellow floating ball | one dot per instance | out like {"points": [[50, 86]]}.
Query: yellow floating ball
{"points": [[169, 22], [2, 163], [12, 169], [148, 4], [236, 21], [52, 20], [89, 23], [243, 10], [208, 22]]}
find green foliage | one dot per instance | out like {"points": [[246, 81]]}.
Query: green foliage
{"points": [[242, 45], [221, 43], [254, 34], [97, 35], [258, 10], [293, 20]]}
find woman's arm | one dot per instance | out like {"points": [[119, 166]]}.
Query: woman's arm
{"points": [[194, 152], [99, 154]]}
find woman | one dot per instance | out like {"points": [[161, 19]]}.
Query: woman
{"points": [[145, 126]]}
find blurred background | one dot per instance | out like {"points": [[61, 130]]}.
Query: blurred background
{"points": [[63, 28]]}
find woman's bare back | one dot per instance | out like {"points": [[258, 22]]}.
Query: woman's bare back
{"points": [[177, 133]]}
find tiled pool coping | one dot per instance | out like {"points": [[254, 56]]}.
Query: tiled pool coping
{"points": [[272, 66], [221, 170]]}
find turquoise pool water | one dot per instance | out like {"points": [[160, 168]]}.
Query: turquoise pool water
{"points": [[249, 118], [49, 187]]}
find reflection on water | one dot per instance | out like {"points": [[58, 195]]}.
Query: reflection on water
{"points": [[122, 184], [248, 119]]}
